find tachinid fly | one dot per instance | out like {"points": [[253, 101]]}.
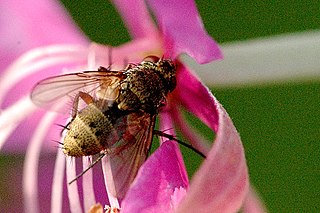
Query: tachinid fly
{"points": [[113, 112]]}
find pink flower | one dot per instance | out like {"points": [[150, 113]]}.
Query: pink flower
{"points": [[220, 185]]}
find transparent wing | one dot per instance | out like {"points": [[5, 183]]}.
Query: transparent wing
{"points": [[132, 150], [63, 88]]}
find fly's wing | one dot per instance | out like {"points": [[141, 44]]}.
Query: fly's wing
{"points": [[64, 88], [130, 152]]}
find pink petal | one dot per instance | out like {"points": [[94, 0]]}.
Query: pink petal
{"points": [[196, 139], [221, 183], [183, 30], [136, 17], [166, 124], [178, 195], [132, 52], [190, 92], [24, 26], [253, 203], [158, 179], [32, 23]]}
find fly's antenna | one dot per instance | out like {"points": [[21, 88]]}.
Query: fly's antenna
{"points": [[89, 167], [171, 137]]}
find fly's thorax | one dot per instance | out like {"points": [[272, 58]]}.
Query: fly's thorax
{"points": [[87, 132], [142, 89], [147, 85]]}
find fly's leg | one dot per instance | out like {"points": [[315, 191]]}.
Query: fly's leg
{"points": [[171, 137], [102, 154], [88, 99]]}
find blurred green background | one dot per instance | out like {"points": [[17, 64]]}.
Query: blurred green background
{"points": [[278, 123]]}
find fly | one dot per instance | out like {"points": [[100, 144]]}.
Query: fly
{"points": [[113, 112]]}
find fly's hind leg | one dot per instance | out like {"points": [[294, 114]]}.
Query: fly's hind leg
{"points": [[88, 99]]}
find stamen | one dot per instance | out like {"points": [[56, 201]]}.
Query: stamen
{"points": [[38, 59], [87, 184], [88, 168], [92, 58], [57, 183], [11, 117], [73, 192], [109, 183], [30, 177]]}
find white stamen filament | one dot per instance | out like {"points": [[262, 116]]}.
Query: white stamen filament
{"points": [[91, 58], [30, 177], [57, 183], [87, 184], [11, 117], [39, 59], [109, 182], [73, 192]]}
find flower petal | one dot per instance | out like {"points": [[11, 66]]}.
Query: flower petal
{"points": [[24, 26], [177, 196], [192, 94], [183, 30], [196, 139], [253, 204], [136, 17], [133, 52], [158, 179], [221, 183]]}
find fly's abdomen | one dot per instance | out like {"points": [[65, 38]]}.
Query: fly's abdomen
{"points": [[87, 133]]}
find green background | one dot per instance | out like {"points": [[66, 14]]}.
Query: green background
{"points": [[278, 123]]}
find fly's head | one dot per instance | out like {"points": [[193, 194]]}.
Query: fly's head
{"points": [[166, 69]]}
